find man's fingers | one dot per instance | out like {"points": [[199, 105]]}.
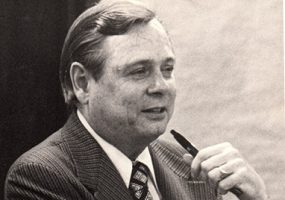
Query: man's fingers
{"points": [[188, 158], [222, 172], [217, 160], [215, 175], [229, 182], [206, 160]]}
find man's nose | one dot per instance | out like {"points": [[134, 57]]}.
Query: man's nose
{"points": [[159, 85]]}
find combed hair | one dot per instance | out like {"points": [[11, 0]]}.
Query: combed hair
{"points": [[85, 37]]}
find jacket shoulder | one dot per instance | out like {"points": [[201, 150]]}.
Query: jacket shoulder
{"points": [[34, 180], [45, 171], [52, 153]]}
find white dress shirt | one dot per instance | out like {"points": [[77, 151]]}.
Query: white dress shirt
{"points": [[122, 163]]}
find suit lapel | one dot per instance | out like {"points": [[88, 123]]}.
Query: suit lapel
{"points": [[94, 168], [166, 166], [111, 185], [173, 174]]}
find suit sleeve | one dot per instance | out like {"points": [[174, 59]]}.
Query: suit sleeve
{"points": [[35, 181]]}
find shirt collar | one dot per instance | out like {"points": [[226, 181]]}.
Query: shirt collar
{"points": [[122, 163]]}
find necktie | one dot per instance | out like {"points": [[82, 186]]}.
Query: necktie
{"points": [[138, 183]]}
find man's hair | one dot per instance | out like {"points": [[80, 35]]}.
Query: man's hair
{"points": [[85, 37]]}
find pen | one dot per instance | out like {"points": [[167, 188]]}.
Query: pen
{"points": [[193, 151]]}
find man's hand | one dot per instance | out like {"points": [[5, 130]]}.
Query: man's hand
{"points": [[224, 167]]}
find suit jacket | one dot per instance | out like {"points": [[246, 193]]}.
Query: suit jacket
{"points": [[70, 164]]}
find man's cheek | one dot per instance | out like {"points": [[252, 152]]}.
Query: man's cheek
{"points": [[131, 111]]}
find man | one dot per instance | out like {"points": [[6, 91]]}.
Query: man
{"points": [[117, 75]]}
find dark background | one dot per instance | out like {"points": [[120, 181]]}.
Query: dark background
{"points": [[31, 105]]}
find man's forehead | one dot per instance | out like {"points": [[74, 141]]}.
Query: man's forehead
{"points": [[152, 32], [146, 41], [152, 27]]}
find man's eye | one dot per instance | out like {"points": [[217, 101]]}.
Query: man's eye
{"points": [[167, 70], [139, 71]]}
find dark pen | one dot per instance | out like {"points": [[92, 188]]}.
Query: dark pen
{"points": [[193, 151]]}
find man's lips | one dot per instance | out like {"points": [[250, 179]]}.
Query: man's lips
{"points": [[157, 110]]}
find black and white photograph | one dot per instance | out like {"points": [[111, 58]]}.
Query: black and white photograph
{"points": [[142, 100]]}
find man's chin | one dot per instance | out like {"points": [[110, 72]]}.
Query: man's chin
{"points": [[153, 132]]}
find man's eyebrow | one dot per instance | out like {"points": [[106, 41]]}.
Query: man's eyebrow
{"points": [[139, 62], [146, 62], [169, 60]]}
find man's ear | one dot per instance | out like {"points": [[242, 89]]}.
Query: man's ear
{"points": [[80, 79]]}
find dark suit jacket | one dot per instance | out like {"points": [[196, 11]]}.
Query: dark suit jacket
{"points": [[70, 164]]}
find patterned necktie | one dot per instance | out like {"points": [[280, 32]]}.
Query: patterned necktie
{"points": [[138, 183]]}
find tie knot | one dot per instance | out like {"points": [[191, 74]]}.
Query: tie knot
{"points": [[138, 166]]}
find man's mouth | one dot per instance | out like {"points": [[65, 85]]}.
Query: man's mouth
{"points": [[157, 110]]}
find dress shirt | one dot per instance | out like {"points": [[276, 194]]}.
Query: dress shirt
{"points": [[122, 163]]}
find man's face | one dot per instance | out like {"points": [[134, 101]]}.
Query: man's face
{"points": [[134, 98]]}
